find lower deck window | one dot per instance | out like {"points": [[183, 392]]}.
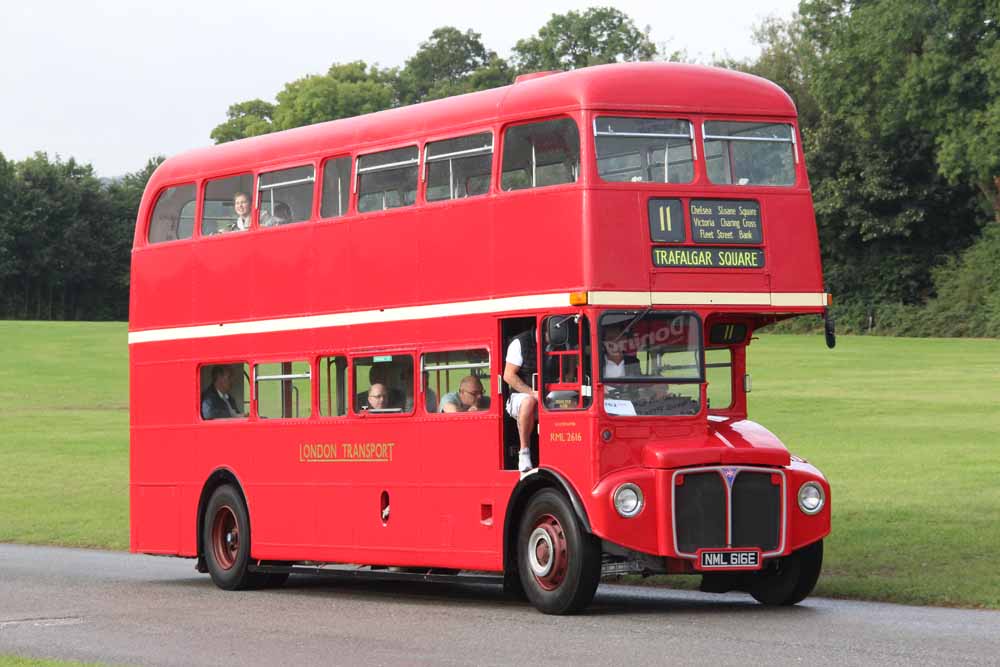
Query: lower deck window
{"points": [[456, 381], [383, 384], [225, 391], [283, 390]]}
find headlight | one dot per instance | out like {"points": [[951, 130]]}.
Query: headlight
{"points": [[811, 498], [628, 500]]}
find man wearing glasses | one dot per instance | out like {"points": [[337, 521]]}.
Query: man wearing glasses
{"points": [[468, 398]]}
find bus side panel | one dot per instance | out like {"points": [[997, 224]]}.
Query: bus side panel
{"points": [[224, 283], [792, 243], [164, 277], [532, 245], [448, 240], [385, 258], [461, 452]]}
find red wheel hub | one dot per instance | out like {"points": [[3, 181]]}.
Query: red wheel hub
{"points": [[225, 537], [548, 555]]}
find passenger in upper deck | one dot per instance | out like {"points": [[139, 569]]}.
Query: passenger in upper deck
{"points": [[282, 215], [521, 364], [241, 204]]}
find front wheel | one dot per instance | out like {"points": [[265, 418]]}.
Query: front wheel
{"points": [[226, 541], [791, 579], [559, 563]]}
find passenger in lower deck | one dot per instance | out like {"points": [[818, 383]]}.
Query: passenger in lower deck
{"points": [[216, 401], [378, 397], [468, 398], [520, 364]]}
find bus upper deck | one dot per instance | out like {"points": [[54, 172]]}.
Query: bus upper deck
{"points": [[638, 184]]}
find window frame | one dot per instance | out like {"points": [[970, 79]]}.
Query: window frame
{"points": [[196, 183], [793, 140], [427, 160], [352, 358], [318, 386], [203, 185], [358, 171], [692, 125], [262, 171], [351, 164], [250, 404], [506, 127], [289, 376], [488, 365]]}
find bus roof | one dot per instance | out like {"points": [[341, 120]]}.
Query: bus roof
{"points": [[650, 86]]}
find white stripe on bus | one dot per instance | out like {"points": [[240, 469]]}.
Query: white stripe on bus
{"points": [[479, 307]]}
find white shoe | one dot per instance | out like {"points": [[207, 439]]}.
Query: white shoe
{"points": [[524, 460]]}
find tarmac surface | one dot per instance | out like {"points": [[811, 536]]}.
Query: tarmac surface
{"points": [[123, 609]]}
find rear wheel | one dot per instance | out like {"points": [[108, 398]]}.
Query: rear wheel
{"points": [[559, 563], [226, 541], [791, 579]]}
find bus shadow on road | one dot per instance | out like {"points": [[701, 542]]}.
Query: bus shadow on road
{"points": [[611, 599]]}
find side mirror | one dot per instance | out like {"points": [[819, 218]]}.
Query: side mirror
{"points": [[747, 385], [557, 329], [830, 329]]}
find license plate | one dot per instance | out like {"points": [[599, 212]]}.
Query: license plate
{"points": [[729, 559]]}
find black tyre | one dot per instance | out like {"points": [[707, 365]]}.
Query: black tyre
{"points": [[558, 562], [226, 541], [791, 579]]}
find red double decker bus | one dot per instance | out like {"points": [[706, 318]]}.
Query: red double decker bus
{"points": [[321, 319]]}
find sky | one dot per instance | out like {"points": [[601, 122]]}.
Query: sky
{"points": [[115, 82]]}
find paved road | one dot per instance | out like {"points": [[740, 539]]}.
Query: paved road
{"points": [[124, 609]]}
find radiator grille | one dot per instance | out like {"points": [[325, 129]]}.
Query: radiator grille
{"points": [[700, 511], [754, 504], [756, 511]]}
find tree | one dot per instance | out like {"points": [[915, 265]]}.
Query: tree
{"points": [[931, 66], [886, 214], [596, 36], [7, 259], [450, 63], [346, 90], [245, 119]]}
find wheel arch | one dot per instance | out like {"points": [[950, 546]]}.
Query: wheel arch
{"points": [[219, 477], [522, 493]]}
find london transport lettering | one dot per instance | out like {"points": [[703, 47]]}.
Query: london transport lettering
{"points": [[721, 221], [710, 258], [357, 452]]}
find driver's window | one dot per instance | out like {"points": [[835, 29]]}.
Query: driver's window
{"points": [[719, 375], [566, 372]]}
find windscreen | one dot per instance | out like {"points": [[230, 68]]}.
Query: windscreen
{"points": [[651, 363]]}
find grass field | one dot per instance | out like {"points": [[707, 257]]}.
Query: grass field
{"points": [[907, 430]]}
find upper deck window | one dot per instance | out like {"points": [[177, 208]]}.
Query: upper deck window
{"points": [[286, 196], [738, 153], [227, 205], [459, 167], [173, 215], [336, 187], [388, 179], [540, 154], [644, 150]]}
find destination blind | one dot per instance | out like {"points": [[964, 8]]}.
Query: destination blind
{"points": [[708, 258], [714, 224], [717, 221]]}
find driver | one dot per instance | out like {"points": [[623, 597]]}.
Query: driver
{"points": [[617, 363]]}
